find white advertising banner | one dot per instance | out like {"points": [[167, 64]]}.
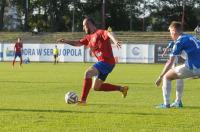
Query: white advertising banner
{"points": [[44, 52], [31, 51], [73, 54], [119, 53], [1, 52], [140, 53], [8, 52], [128, 53]]}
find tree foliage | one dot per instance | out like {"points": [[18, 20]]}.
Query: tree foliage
{"points": [[136, 15], [2, 8]]}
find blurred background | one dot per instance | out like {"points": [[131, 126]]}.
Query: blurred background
{"points": [[121, 15]]}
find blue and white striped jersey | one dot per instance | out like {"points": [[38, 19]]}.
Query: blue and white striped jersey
{"points": [[191, 46]]}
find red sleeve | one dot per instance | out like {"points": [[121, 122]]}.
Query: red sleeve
{"points": [[105, 35], [15, 46], [84, 40]]}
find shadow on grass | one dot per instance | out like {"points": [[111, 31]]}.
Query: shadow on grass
{"points": [[130, 83], [78, 112], [30, 82], [191, 107]]}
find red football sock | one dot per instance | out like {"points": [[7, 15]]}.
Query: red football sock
{"points": [[87, 84], [20, 62], [109, 87], [13, 63]]}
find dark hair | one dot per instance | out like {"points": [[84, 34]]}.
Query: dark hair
{"points": [[177, 25], [90, 20]]}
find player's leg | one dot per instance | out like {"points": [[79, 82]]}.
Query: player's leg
{"points": [[20, 56], [166, 88], [179, 89], [107, 87], [179, 92], [13, 63], [99, 85], [54, 59], [57, 59], [182, 72], [87, 83]]}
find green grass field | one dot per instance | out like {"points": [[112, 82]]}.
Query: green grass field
{"points": [[32, 100]]}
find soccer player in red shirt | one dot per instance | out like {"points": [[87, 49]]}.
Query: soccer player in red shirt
{"points": [[18, 51], [99, 43]]}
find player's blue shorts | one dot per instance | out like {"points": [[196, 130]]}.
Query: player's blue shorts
{"points": [[18, 54], [104, 69]]}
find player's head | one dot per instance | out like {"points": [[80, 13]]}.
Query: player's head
{"points": [[89, 25], [175, 29], [19, 39]]}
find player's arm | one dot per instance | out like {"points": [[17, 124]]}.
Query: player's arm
{"points": [[170, 45], [21, 47], [15, 48], [165, 51], [113, 38], [166, 68], [72, 43]]}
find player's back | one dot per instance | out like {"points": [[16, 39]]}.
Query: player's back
{"points": [[191, 46]]}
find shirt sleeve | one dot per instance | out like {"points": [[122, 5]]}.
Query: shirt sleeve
{"points": [[171, 44], [105, 35], [84, 41], [177, 49]]}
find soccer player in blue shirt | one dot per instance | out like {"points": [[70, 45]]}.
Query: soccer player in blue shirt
{"points": [[182, 43], [179, 82]]}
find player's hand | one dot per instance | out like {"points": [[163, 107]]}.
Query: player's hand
{"points": [[163, 54], [165, 51], [61, 40], [118, 44], [158, 81]]}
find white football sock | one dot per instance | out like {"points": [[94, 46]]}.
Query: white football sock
{"points": [[166, 88], [179, 89]]}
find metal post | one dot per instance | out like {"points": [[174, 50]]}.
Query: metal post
{"points": [[131, 20], [103, 14], [73, 16], [26, 15], [143, 24], [183, 16], [143, 19]]}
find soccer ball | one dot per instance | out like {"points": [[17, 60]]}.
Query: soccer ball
{"points": [[71, 98]]}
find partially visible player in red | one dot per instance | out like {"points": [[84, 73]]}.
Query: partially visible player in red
{"points": [[99, 43], [18, 51]]}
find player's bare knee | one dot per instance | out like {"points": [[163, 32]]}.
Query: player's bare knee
{"points": [[96, 88], [168, 77], [165, 77], [88, 74]]}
